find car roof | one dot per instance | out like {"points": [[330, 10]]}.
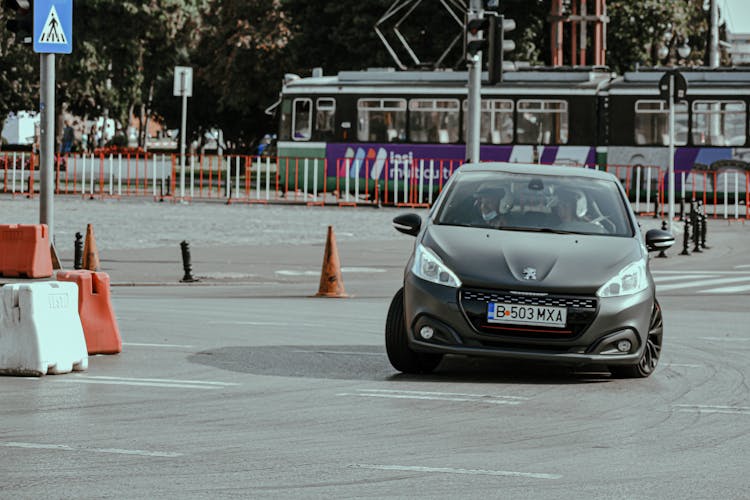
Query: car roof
{"points": [[534, 168]]}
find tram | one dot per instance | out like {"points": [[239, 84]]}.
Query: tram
{"points": [[380, 130]]}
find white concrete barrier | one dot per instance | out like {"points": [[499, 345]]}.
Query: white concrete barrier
{"points": [[40, 330]]}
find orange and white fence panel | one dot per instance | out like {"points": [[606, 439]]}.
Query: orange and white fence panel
{"points": [[18, 173]]}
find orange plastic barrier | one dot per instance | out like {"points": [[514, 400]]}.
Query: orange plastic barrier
{"points": [[95, 308], [25, 251]]}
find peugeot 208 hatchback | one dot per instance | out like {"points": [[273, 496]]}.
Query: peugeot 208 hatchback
{"points": [[528, 262]]}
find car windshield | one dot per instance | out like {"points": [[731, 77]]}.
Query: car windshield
{"points": [[535, 202]]}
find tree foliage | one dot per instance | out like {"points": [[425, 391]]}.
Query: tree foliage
{"points": [[125, 51], [19, 74]]}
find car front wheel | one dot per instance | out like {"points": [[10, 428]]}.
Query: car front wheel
{"points": [[400, 355], [650, 358]]}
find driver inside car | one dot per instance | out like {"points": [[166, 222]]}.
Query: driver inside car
{"points": [[569, 209], [492, 203]]}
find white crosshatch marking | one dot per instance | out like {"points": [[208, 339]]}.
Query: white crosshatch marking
{"points": [[53, 31], [705, 281]]}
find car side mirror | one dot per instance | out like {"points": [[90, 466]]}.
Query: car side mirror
{"points": [[656, 240], [408, 224]]}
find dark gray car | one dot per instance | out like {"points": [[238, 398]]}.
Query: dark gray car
{"points": [[528, 262]]}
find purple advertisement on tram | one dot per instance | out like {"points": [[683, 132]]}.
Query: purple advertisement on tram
{"points": [[400, 161]]}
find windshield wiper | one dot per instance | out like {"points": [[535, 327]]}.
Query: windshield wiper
{"points": [[537, 230], [457, 224]]}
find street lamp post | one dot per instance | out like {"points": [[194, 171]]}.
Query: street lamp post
{"points": [[679, 44]]}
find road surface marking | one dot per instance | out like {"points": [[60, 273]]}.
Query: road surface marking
{"points": [[743, 266], [449, 470], [146, 382], [432, 393], [116, 451], [683, 365], [271, 323], [351, 270], [289, 272], [729, 289], [695, 271], [726, 410], [344, 352], [164, 380], [727, 339], [436, 396], [700, 283], [137, 344], [664, 279]]}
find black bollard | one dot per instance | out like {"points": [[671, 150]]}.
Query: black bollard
{"points": [[704, 225], [78, 252], [662, 255], [695, 216], [188, 278], [682, 209], [686, 238]]}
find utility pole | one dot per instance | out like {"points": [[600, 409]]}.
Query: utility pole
{"points": [[474, 62], [713, 46]]}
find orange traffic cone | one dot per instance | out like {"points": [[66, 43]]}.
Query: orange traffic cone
{"points": [[331, 284], [90, 253]]}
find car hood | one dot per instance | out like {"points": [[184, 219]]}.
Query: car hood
{"points": [[567, 263]]}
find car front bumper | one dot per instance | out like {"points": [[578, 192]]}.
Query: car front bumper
{"points": [[440, 307]]}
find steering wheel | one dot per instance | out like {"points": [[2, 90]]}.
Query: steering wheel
{"points": [[605, 223]]}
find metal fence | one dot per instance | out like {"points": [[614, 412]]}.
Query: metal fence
{"points": [[313, 181]]}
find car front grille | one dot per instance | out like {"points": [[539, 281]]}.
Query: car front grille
{"points": [[581, 311]]}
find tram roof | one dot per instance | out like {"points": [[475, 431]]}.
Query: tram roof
{"points": [[725, 76], [388, 77]]}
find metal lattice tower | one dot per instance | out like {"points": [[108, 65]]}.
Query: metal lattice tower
{"points": [[400, 11]]}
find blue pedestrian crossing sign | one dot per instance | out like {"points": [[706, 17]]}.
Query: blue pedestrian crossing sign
{"points": [[53, 26]]}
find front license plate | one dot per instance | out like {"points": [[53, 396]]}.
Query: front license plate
{"points": [[516, 314]]}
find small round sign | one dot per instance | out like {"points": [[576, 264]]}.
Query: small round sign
{"points": [[679, 91]]}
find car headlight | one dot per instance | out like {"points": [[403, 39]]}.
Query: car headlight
{"points": [[631, 279], [428, 266]]}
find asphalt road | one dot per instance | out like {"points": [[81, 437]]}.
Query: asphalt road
{"points": [[249, 388]]}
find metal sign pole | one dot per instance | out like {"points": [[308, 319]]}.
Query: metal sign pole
{"points": [[182, 135], [670, 172], [47, 142], [475, 103], [474, 97]]}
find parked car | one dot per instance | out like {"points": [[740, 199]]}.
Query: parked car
{"points": [[529, 262]]}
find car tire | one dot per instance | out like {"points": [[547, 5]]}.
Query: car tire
{"points": [[400, 355], [650, 358]]}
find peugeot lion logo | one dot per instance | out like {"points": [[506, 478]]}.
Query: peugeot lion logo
{"points": [[529, 273]]}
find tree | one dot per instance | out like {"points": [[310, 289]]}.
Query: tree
{"points": [[122, 49], [19, 74], [637, 30], [239, 62]]}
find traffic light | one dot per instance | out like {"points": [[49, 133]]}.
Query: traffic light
{"points": [[499, 27], [476, 29], [23, 22]]}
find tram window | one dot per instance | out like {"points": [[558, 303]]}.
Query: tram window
{"points": [[652, 123], [496, 121], [719, 123], [381, 120], [542, 122], [302, 119], [285, 128], [433, 120], [324, 118]]}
